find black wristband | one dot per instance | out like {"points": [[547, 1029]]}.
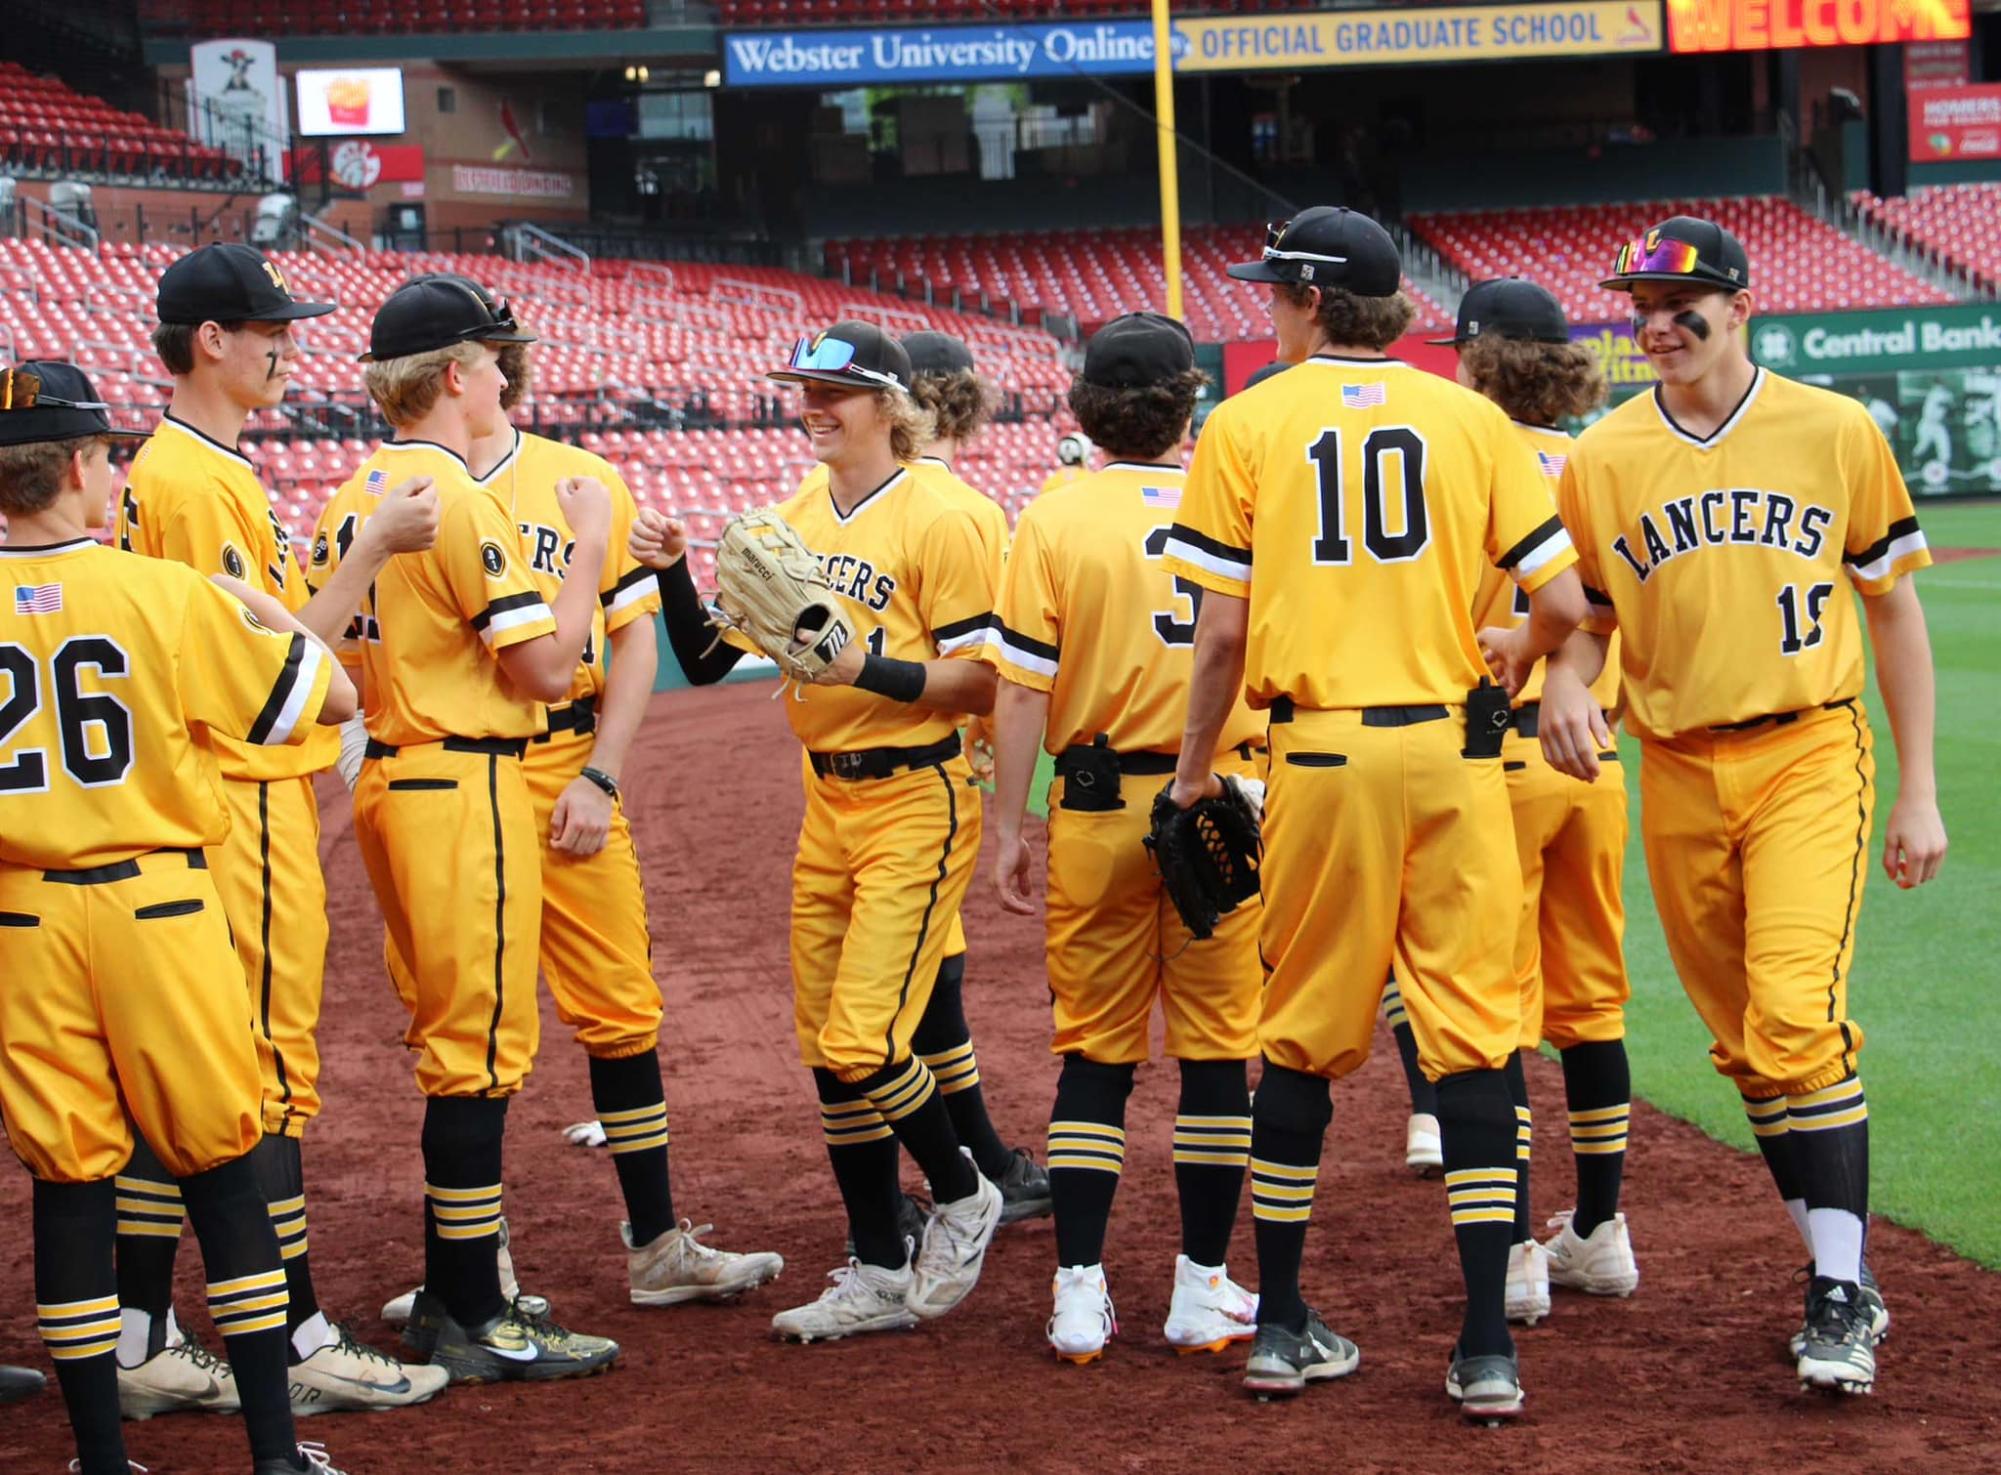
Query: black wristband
{"points": [[900, 681], [602, 779]]}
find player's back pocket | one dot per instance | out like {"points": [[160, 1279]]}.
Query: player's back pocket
{"points": [[420, 785], [160, 910]]}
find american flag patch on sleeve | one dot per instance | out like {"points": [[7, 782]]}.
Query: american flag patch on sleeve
{"points": [[1160, 496], [38, 599], [1552, 465], [1363, 396], [377, 482]]}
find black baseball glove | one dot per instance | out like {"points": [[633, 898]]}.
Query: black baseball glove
{"points": [[1208, 854]]}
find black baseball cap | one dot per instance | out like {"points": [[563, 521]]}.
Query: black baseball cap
{"points": [[436, 311], [1137, 350], [937, 353], [44, 401], [1270, 371], [1327, 246], [229, 282], [850, 354], [1682, 248], [1509, 307]]}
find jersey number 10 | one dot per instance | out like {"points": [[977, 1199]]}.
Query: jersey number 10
{"points": [[1333, 547]]}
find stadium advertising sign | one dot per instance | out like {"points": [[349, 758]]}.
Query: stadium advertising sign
{"points": [[1626, 367], [1955, 123], [1769, 25], [1350, 38], [844, 58]]}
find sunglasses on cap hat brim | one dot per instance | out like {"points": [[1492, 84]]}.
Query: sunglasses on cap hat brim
{"points": [[828, 360], [1666, 260], [1278, 264], [21, 389]]}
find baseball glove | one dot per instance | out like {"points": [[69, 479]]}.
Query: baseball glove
{"points": [[771, 590], [1208, 854]]}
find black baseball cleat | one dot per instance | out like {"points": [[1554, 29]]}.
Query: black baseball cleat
{"points": [[1838, 1351], [1283, 1362], [1024, 1189], [516, 1346], [1487, 1389], [1870, 1299], [17, 1383]]}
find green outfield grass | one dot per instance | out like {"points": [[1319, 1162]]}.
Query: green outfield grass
{"points": [[1926, 960]]}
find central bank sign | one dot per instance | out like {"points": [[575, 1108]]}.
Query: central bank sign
{"points": [[848, 58], [1879, 342]]}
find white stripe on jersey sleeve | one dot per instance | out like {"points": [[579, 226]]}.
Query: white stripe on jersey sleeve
{"points": [[1879, 568], [508, 619], [1550, 547], [1016, 655], [301, 692], [1228, 568]]}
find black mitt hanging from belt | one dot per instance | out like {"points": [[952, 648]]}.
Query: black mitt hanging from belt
{"points": [[1208, 853]]}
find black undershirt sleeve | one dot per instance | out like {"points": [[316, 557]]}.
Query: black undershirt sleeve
{"points": [[704, 659]]}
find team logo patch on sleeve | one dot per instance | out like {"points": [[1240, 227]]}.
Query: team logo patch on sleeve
{"points": [[492, 559], [232, 561], [320, 551], [250, 619]]}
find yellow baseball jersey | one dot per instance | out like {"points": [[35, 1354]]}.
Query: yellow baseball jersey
{"points": [[1719, 560], [917, 584], [1089, 613], [110, 667], [987, 514], [199, 502], [427, 635], [1369, 497], [525, 482], [1504, 603], [1062, 476]]}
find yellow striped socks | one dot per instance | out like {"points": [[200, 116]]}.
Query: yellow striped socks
{"points": [[1091, 1146], [849, 1123], [956, 1069], [1524, 1133], [1212, 1141], [906, 1090], [639, 1130], [73, 1330], [1282, 1193], [1600, 1131], [1837, 1106], [149, 1208], [1481, 1196], [1394, 1014], [288, 1217], [464, 1213], [249, 1303], [1768, 1118]]}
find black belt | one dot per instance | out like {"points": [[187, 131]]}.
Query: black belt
{"points": [[124, 870], [1780, 719], [497, 747], [1528, 719], [578, 716], [1139, 764], [1283, 708], [882, 762]]}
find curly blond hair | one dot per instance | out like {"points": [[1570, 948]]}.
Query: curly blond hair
{"points": [[911, 425]]}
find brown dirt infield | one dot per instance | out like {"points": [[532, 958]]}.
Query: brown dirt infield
{"points": [[1685, 1377]]}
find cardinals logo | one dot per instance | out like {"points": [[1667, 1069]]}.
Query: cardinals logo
{"points": [[515, 138]]}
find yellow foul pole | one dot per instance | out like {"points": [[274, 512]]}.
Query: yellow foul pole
{"points": [[1170, 177]]}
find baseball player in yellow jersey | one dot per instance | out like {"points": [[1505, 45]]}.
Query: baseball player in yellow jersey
{"points": [[109, 805], [945, 382], [459, 651], [1094, 642], [1073, 458], [1732, 499], [1514, 347], [225, 335], [1340, 516], [891, 830]]}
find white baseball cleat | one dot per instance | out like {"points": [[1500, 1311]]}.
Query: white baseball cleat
{"points": [[1083, 1319], [1208, 1310], [182, 1378], [677, 1266], [955, 1247], [862, 1298], [1528, 1283], [1423, 1148], [346, 1377], [1600, 1264]]}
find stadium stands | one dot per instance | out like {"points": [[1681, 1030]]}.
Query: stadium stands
{"points": [[48, 128], [334, 17], [1094, 275], [1958, 223], [1800, 264], [664, 347]]}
